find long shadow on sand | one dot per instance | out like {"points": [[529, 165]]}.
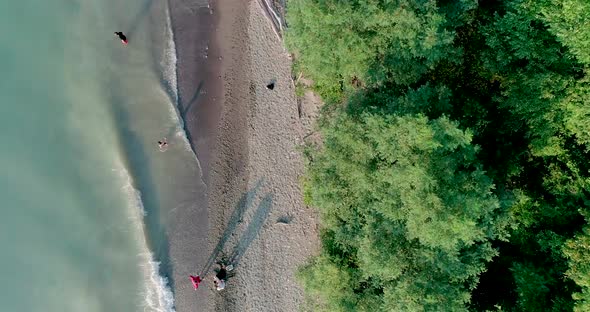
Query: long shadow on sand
{"points": [[182, 106], [136, 161], [252, 231], [186, 107], [249, 234]]}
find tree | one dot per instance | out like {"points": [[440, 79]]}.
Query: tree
{"points": [[409, 216], [408, 213], [337, 42], [569, 21], [578, 252], [543, 83]]}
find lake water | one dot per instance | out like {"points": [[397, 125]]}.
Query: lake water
{"points": [[84, 187]]}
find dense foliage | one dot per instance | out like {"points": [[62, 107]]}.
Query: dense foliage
{"points": [[454, 170]]}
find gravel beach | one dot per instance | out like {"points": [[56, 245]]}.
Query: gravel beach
{"points": [[246, 137]]}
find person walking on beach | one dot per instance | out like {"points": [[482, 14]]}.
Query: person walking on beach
{"points": [[196, 280], [219, 283], [121, 36], [221, 276]]}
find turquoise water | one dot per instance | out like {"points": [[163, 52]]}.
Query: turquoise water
{"points": [[80, 115]]}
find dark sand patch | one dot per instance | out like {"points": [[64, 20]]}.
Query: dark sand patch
{"points": [[199, 90]]}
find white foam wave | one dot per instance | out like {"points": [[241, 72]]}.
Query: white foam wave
{"points": [[157, 296], [169, 61], [169, 64], [170, 76]]}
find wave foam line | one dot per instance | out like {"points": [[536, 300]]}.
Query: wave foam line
{"points": [[160, 297], [157, 294], [171, 78]]}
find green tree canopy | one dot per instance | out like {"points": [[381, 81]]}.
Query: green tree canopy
{"points": [[543, 83], [409, 216], [578, 252], [569, 21], [406, 205], [369, 40]]}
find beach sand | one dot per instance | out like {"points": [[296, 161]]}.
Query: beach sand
{"points": [[199, 89], [246, 138]]}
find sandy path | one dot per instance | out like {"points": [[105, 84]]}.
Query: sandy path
{"points": [[257, 218]]}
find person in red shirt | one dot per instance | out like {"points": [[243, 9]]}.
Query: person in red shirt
{"points": [[195, 280]]}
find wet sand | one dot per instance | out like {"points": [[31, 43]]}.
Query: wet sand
{"points": [[199, 89], [195, 25]]}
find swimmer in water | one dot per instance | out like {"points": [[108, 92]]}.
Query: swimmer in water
{"points": [[162, 144], [121, 36]]}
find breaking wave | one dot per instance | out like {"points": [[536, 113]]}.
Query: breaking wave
{"points": [[157, 295]]}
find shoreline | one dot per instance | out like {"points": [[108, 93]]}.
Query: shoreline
{"points": [[199, 60], [199, 105]]}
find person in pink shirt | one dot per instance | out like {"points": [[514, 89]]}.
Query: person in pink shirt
{"points": [[196, 280]]}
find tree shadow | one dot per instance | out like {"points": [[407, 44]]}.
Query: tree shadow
{"points": [[186, 107], [235, 219]]}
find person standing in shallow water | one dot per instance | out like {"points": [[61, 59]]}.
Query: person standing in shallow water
{"points": [[163, 145], [122, 37]]}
